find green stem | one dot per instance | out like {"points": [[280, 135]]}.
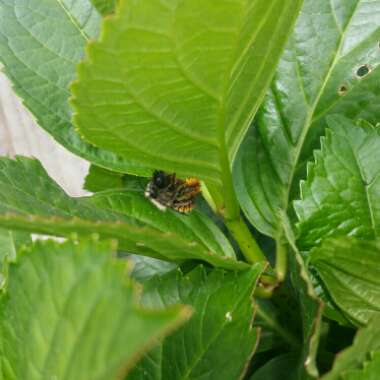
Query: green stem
{"points": [[246, 241], [281, 260], [231, 209]]}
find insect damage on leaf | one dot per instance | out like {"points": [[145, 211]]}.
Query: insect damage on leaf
{"points": [[166, 190]]}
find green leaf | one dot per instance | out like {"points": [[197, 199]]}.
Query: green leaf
{"points": [[370, 371], [341, 194], [329, 44], [175, 84], [366, 342], [10, 243], [41, 42], [69, 313], [218, 341], [350, 272], [100, 179], [282, 367], [105, 7], [144, 268], [311, 309], [39, 205]]}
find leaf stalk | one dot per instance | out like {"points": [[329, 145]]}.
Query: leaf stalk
{"points": [[246, 241]]}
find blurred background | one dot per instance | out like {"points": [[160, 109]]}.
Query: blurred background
{"points": [[20, 135]]}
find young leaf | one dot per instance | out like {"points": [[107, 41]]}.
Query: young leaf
{"points": [[175, 84], [366, 342], [41, 43], [341, 194], [317, 76], [39, 205], [69, 313], [350, 272], [219, 339]]}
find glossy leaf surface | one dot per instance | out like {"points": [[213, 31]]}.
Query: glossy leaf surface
{"points": [[341, 195], [350, 272], [219, 339], [316, 77]]}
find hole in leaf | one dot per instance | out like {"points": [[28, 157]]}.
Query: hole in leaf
{"points": [[342, 89], [363, 70]]}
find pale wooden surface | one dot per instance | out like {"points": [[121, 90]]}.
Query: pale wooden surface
{"points": [[19, 135]]}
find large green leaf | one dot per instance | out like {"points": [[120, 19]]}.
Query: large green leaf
{"points": [[219, 339], [366, 342], [30, 200], [350, 272], [341, 195], [332, 40], [175, 84], [41, 42], [69, 313]]}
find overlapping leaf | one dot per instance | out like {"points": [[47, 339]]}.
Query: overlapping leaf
{"points": [[99, 179], [333, 42], [10, 242], [366, 343], [172, 83], [370, 370], [30, 200], [144, 268], [341, 195], [311, 315], [219, 339], [105, 7], [41, 42], [282, 367], [350, 272], [70, 314]]}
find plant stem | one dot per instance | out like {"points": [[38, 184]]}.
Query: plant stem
{"points": [[246, 241], [230, 208], [281, 260]]}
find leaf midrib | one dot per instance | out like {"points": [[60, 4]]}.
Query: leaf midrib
{"points": [[216, 335], [312, 109], [366, 190], [73, 20]]}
